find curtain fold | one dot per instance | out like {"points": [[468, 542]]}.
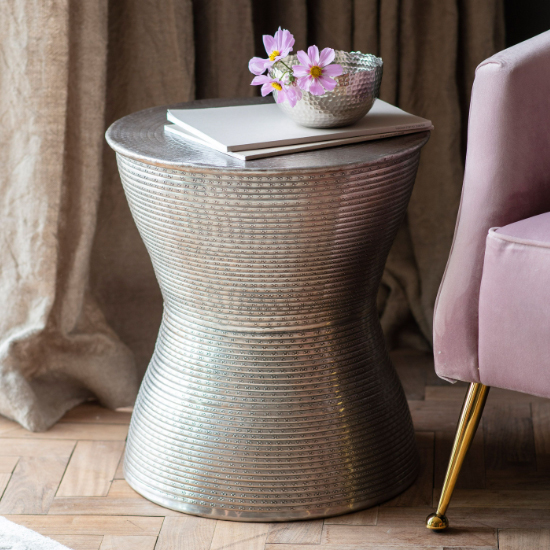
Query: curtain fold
{"points": [[80, 304], [151, 61], [55, 347]]}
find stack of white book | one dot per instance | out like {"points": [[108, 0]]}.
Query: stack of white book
{"points": [[256, 131]]}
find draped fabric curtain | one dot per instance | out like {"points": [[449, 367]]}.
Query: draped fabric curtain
{"points": [[79, 303]]}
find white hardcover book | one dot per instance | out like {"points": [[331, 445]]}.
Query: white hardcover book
{"points": [[253, 127], [284, 149]]}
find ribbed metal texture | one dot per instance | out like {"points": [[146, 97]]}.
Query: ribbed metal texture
{"points": [[270, 395]]}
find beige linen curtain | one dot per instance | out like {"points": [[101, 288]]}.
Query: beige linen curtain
{"points": [[79, 304]]}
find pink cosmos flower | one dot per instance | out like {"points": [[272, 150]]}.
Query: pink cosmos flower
{"points": [[277, 47], [285, 91], [315, 72]]}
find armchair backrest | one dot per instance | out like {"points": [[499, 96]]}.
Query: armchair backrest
{"points": [[507, 178]]}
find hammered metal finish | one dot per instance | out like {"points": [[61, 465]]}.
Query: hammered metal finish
{"points": [[350, 101], [270, 395]]}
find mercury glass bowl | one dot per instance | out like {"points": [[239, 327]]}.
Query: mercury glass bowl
{"points": [[351, 100]]}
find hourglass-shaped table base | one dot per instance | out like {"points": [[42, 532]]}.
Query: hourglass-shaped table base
{"points": [[270, 395]]}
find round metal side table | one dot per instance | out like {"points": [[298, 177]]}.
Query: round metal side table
{"points": [[270, 395]]}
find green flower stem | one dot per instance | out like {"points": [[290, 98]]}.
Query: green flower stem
{"points": [[281, 61], [289, 71]]}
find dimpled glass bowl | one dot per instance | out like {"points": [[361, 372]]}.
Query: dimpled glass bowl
{"points": [[350, 101]]}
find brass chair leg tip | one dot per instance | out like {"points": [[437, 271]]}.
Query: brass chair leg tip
{"points": [[437, 522]]}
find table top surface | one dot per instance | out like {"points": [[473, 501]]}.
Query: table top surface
{"points": [[141, 136]]}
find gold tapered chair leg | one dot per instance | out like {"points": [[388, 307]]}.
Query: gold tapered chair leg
{"points": [[465, 432]]}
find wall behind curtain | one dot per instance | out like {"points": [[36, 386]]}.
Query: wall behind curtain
{"points": [[79, 303], [184, 50]]}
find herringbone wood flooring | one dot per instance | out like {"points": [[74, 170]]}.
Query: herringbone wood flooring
{"points": [[67, 483]]}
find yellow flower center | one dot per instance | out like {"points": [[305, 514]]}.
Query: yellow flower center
{"points": [[277, 86], [274, 54], [315, 71]]}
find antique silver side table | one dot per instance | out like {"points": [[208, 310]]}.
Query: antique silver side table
{"points": [[270, 395]]}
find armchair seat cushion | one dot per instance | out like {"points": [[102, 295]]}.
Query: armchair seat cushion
{"points": [[514, 307]]}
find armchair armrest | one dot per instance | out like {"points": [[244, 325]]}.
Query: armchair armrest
{"points": [[507, 178]]}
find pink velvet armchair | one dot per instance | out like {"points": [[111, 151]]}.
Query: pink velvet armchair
{"points": [[492, 314]]}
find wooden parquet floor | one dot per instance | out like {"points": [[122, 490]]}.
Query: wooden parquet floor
{"points": [[67, 484]]}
